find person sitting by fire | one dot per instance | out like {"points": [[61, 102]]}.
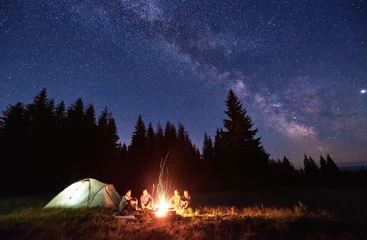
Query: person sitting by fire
{"points": [[185, 200], [175, 200], [128, 204], [146, 200]]}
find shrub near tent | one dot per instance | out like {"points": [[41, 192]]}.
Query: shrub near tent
{"points": [[88, 193]]}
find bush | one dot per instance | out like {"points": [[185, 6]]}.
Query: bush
{"points": [[300, 209]]}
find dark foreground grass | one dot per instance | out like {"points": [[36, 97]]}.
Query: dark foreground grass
{"points": [[203, 223], [251, 222]]}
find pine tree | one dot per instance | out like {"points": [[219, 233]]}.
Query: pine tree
{"points": [[42, 125], [311, 170], [90, 117], [150, 139], [139, 139], [40, 115], [197, 154], [101, 143], [210, 149], [120, 167], [112, 135], [157, 154], [287, 170], [333, 169], [103, 121], [159, 141], [61, 147], [328, 170], [60, 114], [137, 152], [90, 145], [207, 149], [15, 159], [90, 131], [75, 139], [305, 161], [122, 154], [170, 145], [323, 166], [152, 161], [206, 166], [75, 114], [247, 158], [188, 142], [288, 167], [183, 162], [287, 164], [75, 124], [60, 110], [111, 172], [219, 156], [12, 123], [170, 137], [159, 133], [312, 165], [181, 134]]}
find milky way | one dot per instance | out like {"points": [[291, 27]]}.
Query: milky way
{"points": [[299, 67]]}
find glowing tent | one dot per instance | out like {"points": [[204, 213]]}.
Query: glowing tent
{"points": [[88, 193]]}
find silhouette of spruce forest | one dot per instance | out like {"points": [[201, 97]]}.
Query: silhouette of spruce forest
{"points": [[45, 146]]}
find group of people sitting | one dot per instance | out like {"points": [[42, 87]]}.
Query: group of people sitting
{"points": [[178, 202], [130, 204]]}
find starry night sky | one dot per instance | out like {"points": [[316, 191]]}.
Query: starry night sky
{"points": [[298, 66]]}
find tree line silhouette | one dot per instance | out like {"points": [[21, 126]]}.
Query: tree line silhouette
{"points": [[44, 147]]}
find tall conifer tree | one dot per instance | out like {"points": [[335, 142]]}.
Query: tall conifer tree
{"points": [[247, 157], [137, 152]]}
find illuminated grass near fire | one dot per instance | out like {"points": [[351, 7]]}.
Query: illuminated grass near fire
{"points": [[199, 223], [329, 215]]}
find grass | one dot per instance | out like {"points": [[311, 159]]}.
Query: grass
{"points": [[256, 221]]}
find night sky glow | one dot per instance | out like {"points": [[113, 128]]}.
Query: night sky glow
{"points": [[299, 67]]}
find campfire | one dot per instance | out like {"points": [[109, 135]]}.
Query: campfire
{"points": [[161, 191], [163, 210]]}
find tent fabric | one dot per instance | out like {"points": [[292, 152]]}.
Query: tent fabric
{"points": [[88, 193]]}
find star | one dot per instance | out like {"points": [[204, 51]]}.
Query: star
{"points": [[363, 91]]}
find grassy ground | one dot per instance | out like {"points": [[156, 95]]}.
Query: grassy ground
{"points": [[259, 219]]}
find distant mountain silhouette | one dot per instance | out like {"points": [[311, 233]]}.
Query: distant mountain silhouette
{"points": [[353, 166]]}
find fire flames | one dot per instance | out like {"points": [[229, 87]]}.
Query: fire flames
{"points": [[162, 189], [162, 209]]}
